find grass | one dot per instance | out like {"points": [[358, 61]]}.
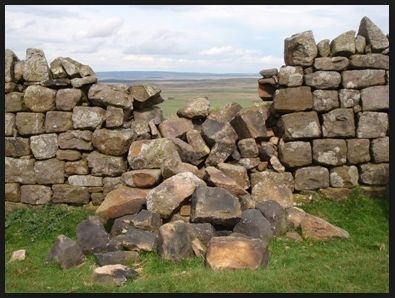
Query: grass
{"points": [[359, 264]]}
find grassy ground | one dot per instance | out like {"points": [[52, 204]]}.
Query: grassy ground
{"points": [[360, 264]]}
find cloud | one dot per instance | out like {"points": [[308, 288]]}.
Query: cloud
{"points": [[226, 50], [103, 29]]}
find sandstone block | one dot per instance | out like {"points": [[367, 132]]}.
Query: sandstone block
{"points": [[105, 165], [323, 79], [373, 34], [79, 167], [14, 102], [58, 121], [198, 107], [344, 44], [145, 96], [44, 146], [35, 66], [175, 128], [295, 154], [325, 100], [35, 194], [29, 123], [70, 194], [39, 99], [291, 76], [85, 180], [331, 152], [112, 142], [300, 49], [380, 150], [379, 61], [338, 123], [357, 79], [67, 99], [12, 192], [76, 139], [17, 147], [114, 117], [310, 178], [358, 151], [301, 125], [331, 63], [19, 170], [374, 174], [349, 98], [372, 125], [50, 171], [110, 94], [293, 99], [344, 176], [375, 98], [88, 117]]}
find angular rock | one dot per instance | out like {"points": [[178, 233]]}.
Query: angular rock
{"points": [[226, 113], [79, 167], [300, 49], [325, 100], [14, 102], [70, 194], [50, 171], [255, 225], [349, 98], [323, 79], [10, 87], [174, 241], [67, 99], [9, 61], [219, 179], [301, 125], [267, 177], [372, 125], [324, 48], [295, 154], [57, 69], [29, 123], [357, 79], [338, 123], [216, 206], [135, 239], [230, 252], [110, 94], [85, 180], [344, 44], [91, 235], [187, 152], [345, 176], [126, 258], [112, 142], [149, 114], [35, 66], [380, 150], [44, 146], [275, 214], [265, 90], [145, 178], [198, 107], [76, 139], [310, 178], [268, 72], [201, 231], [276, 164], [375, 98], [18, 70], [39, 99], [79, 83], [249, 123], [17, 147], [113, 275], [293, 99], [68, 155], [56, 83], [373, 34], [122, 224], [140, 129], [58, 121], [249, 162], [264, 191], [9, 124], [358, 151], [374, 174], [121, 201], [291, 76], [105, 165], [248, 147], [12, 192], [370, 61], [110, 183], [35, 194], [66, 252], [316, 228], [295, 216], [214, 131], [175, 128], [360, 44], [19, 170], [237, 173], [147, 220], [330, 152], [114, 117], [145, 96], [88, 117], [171, 167], [195, 139], [331, 63], [220, 152]]}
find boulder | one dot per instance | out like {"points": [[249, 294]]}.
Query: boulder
{"points": [[19, 68], [110, 95], [12, 192], [13, 102], [237, 173], [70, 194], [112, 142], [264, 191], [331, 63], [293, 99], [35, 66], [380, 150], [39, 99], [105, 165], [290, 76], [344, 176], [91, 235], [275, 214], [323, 79], [344, 44], [9, 124], [79, 167], [57, 69], [375, 98], [272, 177], [85, 180], [66, 252], [324, 48], [126, 258], [17, 147], [249, 123], [19, 170], [295, 154], [168, 196], [370, 61], [301, 125], [68, 155], [349, 98], [226, 113], [374, 174], [338, 123], [330, 152], [58, 121], [153, 113], [114, 117], [145, 96], [230, 252], [50, 171], [67, 99], [76, 139], [29, 123], [373, 34], [175, 128], [9, 62], [248, 147], [357, 79], [358, 151], [219, 179], [198, 107], [201, 231], [372, 125], [255, 225], [113, 275], [316, 228], [88, 117], [145, 178], [310, 178], [137, 240], [44, 146], [35, 194], [300, 49]]}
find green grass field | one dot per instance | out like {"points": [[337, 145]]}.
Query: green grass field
{"points": [[359, 264]]}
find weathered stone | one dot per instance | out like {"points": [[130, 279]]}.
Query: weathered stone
{"points": [[114, 117], [219, 179], [295, 216], [372, 125], [266, 90], [229, 252], [19, 170], [9, 124], [16, 146], [58, 121], [214, 131], [10, 87], [35, 194], [88, 117], [226, 113], [267, 177], [69, 194], [113, 275], [135, 239], [14, 102], [19, 68], [370, 61], [252, 223], [187, 152], [358, 151], [375, 191], [12, 192], [373, 34], [266, 150], [300, 49], [175, 128], [338, 123], [294, 236], [50, 171], [39, 99], [110, 94], [140, 129], [85, 180], [79, 167], [68, 155], [127, 258], [358, 79], [110, 183], [275, 214], [9, 62], [215, 205], [268, 190], [325, 100], [201, 231], [105, 165], [91, 235], [323, 79], [345, 176], [237, 173], [324, 48], [316, 228], [57, 69], [150, 154], [330, 152], [374, 174], [18, 255], [78, 83], [147, 220], [220, 152], [276, 164], [171, 167], [344, 44], [174, 241], [268, 72], [375, 98], [310, 178], [249, 162], [293, 99], [76, 139], [122, 224], [198, 107], [295, 154], [331, 63], [291, 76], [195, 139], [121, 201], [145, 178], [112, 142], [349, 98], [301, 125], [145, 96], [335, 193], [149, 114], [249, 123], [36, 66], [360, 44], [70, 66], [56, 83], [67, 99], [29, 123], [44, 146], [66, 252], [380, 150], [97, 198], [248, 147]]}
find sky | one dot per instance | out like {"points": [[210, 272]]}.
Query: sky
{"points": [[192, 38]]}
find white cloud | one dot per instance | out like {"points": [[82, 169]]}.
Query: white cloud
{"points": [[104, 28], [226, 50]]}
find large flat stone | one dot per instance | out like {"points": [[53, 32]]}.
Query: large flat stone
{"points": [[293, 99], [357, 79], [301, 125]]}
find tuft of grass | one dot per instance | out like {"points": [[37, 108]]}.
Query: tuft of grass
{"points": [[358, 264]]}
